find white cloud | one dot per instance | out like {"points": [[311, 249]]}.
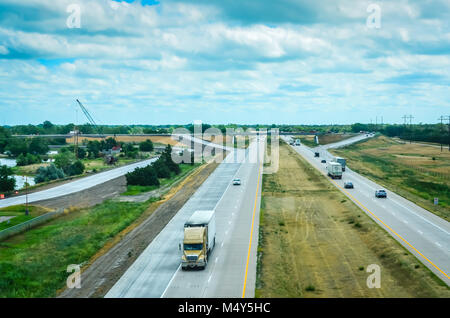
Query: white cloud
{"points": [[158, 62]]}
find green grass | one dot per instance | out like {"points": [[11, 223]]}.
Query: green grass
{"points": [[34, 264], [308, 142], [185, 169], [19, 212]]}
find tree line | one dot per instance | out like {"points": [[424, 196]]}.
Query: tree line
{"points": [[161, 168], [423, 132]]}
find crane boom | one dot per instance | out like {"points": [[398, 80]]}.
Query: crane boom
{"points": [[89, 117]]}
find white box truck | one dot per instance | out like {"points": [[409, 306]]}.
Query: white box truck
{"points": [[334, 170], [297, 142], [199, 239], [341, 161]]}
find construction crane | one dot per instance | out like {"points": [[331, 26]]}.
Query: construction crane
{"points": [[109, 159], [89, 117]]}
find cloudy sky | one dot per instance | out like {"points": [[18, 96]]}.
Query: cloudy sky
{"points": [[240, 61]]}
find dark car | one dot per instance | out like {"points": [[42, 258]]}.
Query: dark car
{"points": [[348, 185], [380, 194], [323, 161], [316, 154]]}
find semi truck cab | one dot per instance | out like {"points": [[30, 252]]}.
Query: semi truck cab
{"points": [[194, 248], [199, 239]]}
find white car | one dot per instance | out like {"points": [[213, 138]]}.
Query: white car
{"points": [[236, 181]]}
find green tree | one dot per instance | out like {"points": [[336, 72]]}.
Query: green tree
{"points": [[129, 150], [47, 125], [17, 146], [146, 145], [162, 171], [28, 159], [143, 176], [93, 148], [167, 158], [7, 183], [64, 160], [38, 146], [76, 168], [4, 138], [81, 153]]}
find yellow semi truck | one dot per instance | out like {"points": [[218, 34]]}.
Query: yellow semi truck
{"points": [[199, 239]]}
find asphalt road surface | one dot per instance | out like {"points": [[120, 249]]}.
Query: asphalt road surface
{"points": [[424, 234], [75, 186], [232, 263]]}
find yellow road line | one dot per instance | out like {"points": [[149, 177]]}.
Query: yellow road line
{"points": [[389, 228], [251, 233]]}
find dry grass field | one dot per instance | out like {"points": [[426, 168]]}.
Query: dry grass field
{"points": [[314, 242], [417, 172]]}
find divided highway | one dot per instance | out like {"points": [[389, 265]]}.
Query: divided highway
{"points": [[421, 232], [231, 270]]}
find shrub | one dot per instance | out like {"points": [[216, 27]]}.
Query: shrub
{"points": [[7, 183], [45, 174], [310, 288], [28, 159], [143, 176], [166, 156], [76, 168], [162, 171], [146, 145]]}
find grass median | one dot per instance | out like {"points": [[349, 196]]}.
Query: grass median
{"points": [[315, 242]]}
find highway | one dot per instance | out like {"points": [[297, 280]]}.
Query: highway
{"points": [[232, 263], [75, 186], [418, 230]]}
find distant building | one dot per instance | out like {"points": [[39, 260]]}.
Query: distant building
{"points": [[113, 151]]}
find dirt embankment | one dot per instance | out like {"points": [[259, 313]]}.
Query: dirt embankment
{"points": [[314, 242], [88, 197], [110, 263]]}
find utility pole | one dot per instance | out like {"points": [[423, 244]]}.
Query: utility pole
{"points": [[448, 118], [404, 121], [410, 127], [26, 196], [440, 139]]}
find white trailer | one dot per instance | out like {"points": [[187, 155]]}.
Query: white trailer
{"points": [[334, 170]]}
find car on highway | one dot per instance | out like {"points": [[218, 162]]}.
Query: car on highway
{"points": [[348, 185], [380, 194], [323, 161], [237, 181]]}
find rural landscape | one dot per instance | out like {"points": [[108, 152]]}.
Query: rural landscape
{"points": [[221, 157]]}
